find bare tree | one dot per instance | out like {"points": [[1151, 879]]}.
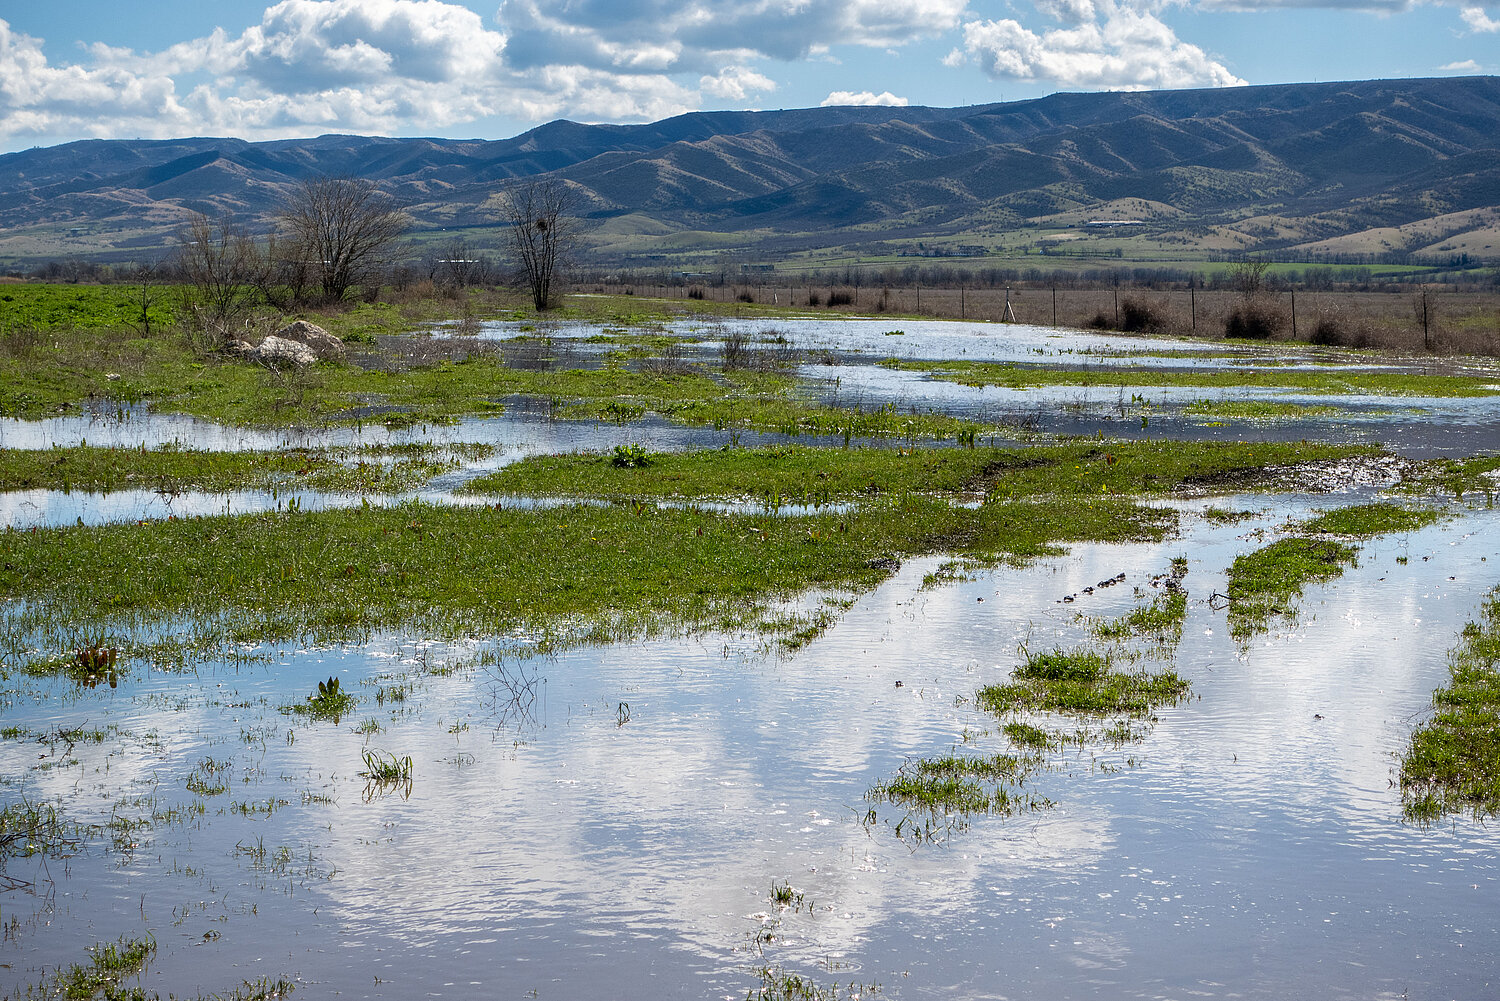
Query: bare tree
{"points": [[340, 230], [542, 234], [222, 268]]}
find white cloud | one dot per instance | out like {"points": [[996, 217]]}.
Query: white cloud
{"points": [[863, 98], [701, 36], [1466, 66], [735, 83], [1478, 20], [1111, 45]]}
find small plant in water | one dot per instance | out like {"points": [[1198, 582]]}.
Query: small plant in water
{"points": [[95, 663], [386, 773], [330, 701]]}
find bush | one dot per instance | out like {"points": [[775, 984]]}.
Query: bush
{"points": [[1253, 321], [695, 293], [1099, 322], [840, 299], [745, 297], [1140, 316], [814, 299]]}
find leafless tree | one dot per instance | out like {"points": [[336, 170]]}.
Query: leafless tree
{"points": [[222, 269], [542, 234], [341, 231]]}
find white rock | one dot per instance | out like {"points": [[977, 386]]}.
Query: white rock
{"points": [[319, 341], [282, 353]]}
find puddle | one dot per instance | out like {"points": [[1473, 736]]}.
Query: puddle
{"points": [[546, 846], [608, 821]]}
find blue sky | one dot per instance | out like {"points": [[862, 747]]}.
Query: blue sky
{"points": [[72, 69]]}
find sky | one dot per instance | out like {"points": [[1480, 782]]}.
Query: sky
{"points": [[78, 69]]}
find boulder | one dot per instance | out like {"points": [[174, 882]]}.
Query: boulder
{"points": [[282, 353], [319, 341], [239, 349]]}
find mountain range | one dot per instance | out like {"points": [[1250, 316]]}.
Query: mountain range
{"points": [[1366, 167]]}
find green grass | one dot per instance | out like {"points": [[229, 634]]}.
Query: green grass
{"points": [[48, 308], [1365, 521], [1322, 383], [1453, 761], [1255, 410], [1263, 583], [815, 475], [940, 795], [577, 571], [172, 469], [1081, 682]]}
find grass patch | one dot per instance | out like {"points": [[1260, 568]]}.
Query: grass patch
{"points": [[329, 702], [1082, 683], [1321, 382], [796, 473], [1365, 521], [585, 572], [1453, 762], [171, 469], [779, 984], [1262, 584]]}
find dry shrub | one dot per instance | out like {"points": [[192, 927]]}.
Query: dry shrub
{"points": [[1254, 321], [840, 299], [814, 299], [1140, 316], [695, 293]]}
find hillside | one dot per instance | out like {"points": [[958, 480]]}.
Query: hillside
{"points": [[1339, 168]]}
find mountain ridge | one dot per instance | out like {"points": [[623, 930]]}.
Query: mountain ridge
{"points": [[1274, 166]]}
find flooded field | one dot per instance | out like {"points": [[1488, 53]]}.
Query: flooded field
{"points": [[686, 807]]}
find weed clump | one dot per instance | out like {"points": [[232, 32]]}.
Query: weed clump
{"points": [[329, 702], [632, 456]]}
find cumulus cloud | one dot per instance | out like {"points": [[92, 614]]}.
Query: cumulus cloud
{"points": [[1466, 66], [735, 83], [1478, 20], [863, 98], [701, 36], [400, 65], [1107, 45]]}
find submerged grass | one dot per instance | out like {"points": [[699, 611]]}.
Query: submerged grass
{"points": [[1161, 620], [583, 572], [1319, 382], [938, 796], [1453, 762], [172, 469]]}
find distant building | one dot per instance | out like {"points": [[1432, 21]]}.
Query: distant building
{"points": [[1111, 223]]}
